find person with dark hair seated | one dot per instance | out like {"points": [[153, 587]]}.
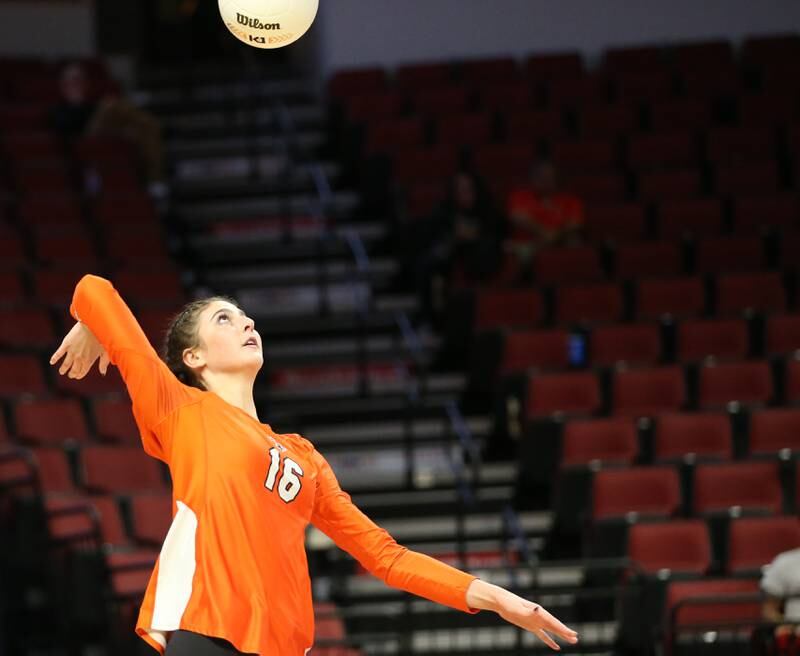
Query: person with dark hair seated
{"points": [[81, 112], [542, 215], [464, 240]]}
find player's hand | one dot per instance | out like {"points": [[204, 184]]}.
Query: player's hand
{"points": [[534, 618], [80, 349]]}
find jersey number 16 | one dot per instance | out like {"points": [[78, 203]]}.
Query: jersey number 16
{"points": [[290, 484]]}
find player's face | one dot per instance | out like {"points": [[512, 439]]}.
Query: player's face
{"points": [[228, 339]]}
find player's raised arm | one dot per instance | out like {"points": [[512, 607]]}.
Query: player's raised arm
{"points": [[153, 388], [340, 519]]}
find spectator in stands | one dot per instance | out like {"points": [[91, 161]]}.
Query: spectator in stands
{"points": [[464, 240], [540, 214], [781, 584], [81, 112]]}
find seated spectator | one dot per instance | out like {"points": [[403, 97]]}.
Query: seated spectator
{"points": [[540, 214], [82, 113], [463, 238], [781, 584]]}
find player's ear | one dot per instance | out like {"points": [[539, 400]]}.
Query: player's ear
{"points": [[194, 358]]}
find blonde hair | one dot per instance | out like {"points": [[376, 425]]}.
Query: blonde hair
{"points": [[182, 333]]}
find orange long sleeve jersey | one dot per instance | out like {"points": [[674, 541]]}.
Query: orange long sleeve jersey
{"points": [[233, 564]]}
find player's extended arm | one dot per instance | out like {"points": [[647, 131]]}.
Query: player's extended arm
{"points": [[338, 517], [154, 390]]}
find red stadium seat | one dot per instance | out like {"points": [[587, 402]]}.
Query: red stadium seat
{"points": [[130, 249], [720, 340], [505, 95], [773, 107], [760, 213], [440, 102], [602, 120], [465, 129], [647, 491], [563, 394], [744, 383], [720, 254], [119, 469], [151, 516], [793, 381], [555, 65], [676, 297], [375, 106], [662, 150], [114, 421], [598, 187], [345, 83], [56, 286], [12, 290], [110, 209], [783, 334], [589, 303], [745, 293], [26, 328], [578, 92], [585, 154], [508, 308], [425, 164], [790, 251], [706, 55], [747, 178], [676, 183], [426, 75], [626, 343], [53, 472], [50, 421], [769, 51], [681, 114], [23, 376], [751, 486], [712, 84], [55, 214], [498, 68], [93, 384], [149, 286], [55, 250], [528, 126], [698, 217], [540, 349], [640, 85], [607, 441], [12, 250], [648, 260], [567, 265], [729, 144], [648, 392], [730, 602], [642, 59], [689, 436], [512, 160], [615, 222], [756, 541], [394, 134], [679, 546], [774, 430]]}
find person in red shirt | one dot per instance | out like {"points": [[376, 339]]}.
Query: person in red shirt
{"points": [[540, 214], [232, 575]]}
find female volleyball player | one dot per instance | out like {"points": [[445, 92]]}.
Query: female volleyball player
{"points": [[232, 575]]}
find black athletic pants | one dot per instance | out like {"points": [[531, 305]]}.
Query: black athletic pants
{"points": [[186, 643]]}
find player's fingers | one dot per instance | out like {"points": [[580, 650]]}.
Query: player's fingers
{"points": [[104, 362], [76, 371], [546, 639], [554, 625], [58, 354], [66, 365]]}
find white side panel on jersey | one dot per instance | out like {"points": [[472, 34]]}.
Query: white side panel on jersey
{"points": [[176, 566]]}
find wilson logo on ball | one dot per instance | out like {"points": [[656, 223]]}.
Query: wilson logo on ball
{"points": [[285, 20], [255, 23]]}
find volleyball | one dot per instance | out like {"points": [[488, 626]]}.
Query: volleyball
{"points": [[268, 23]]}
